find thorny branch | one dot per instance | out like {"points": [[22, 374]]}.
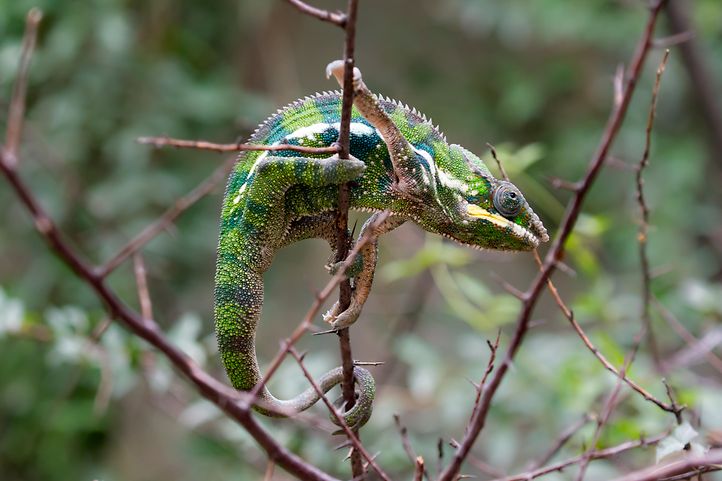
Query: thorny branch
{"points": [[556, 251], [609, 407], [237, 147], [644, 209], [342, 238], [598, 454]]}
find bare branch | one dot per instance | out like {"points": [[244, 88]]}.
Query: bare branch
{"points": [[336, 18], [498, 162], [403, 432], [598, 354], [696, 347], [688, 464], [557, 248], [599, 454], [609, 407], [644, 209], [563, 438], [159, 142], [16, 115], [168, 217]]}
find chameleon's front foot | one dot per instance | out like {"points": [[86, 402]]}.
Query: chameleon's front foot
{"points": [[336, 68]]}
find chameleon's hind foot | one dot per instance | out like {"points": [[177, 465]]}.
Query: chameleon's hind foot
{"points": [[341, 320], [336, 68]]}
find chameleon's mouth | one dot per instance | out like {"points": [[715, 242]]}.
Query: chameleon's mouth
{"points": [[534, 235]]}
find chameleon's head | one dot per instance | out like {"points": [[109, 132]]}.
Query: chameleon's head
{"points": [[485, 212]]}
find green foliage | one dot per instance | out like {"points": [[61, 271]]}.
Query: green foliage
{"points": [[532, 78]]}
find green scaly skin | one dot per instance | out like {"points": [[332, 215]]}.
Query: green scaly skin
{"points": [[400, 163]]}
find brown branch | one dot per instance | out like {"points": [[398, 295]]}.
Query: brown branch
{"points": [[404, 434], [498, 162], [557, 249], [598, 354], [609, 407], [165, 220], [342, 238], [644, 209], [698, 347], [493, 348], [16, 115], [336, 18], [688, 464], [563, 438], [159, 142], [481, 466], [352, 436], [599, 454]]}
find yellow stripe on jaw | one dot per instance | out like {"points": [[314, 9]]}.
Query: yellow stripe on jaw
{"points": [[476, 211]]}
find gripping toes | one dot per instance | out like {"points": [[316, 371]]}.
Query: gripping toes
{"points": [[336, 68], [341, 320]]}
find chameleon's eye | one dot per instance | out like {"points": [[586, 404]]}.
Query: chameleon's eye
{"points": [[508, 200]]}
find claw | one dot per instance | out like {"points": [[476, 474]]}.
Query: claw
{"points": [[336, 68]]}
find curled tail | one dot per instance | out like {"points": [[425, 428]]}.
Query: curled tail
{"points": [[238, 302]]}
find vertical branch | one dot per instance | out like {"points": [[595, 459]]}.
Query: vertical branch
{"points": [[644, 209], [343, 241]]}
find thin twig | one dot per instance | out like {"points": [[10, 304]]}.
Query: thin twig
{"points": [[498, 162], [599, 454], [159, 142], [165, 220], [557, 248], [644, 209], [337, 18], [609, 407], [481, 466], [696, 346], [16, 115], [563, 438], [687, 464], [413, 457], [493, 348], [597, 353]]}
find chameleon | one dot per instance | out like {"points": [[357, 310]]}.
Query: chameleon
{"points": [[400, 163]]}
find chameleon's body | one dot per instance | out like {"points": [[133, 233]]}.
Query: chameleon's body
{"points": [[400, 163]]}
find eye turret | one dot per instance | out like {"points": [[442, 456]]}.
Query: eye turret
{"points": [[508, 201]]}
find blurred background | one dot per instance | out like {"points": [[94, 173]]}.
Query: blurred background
{"points": [[83, 400]]}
